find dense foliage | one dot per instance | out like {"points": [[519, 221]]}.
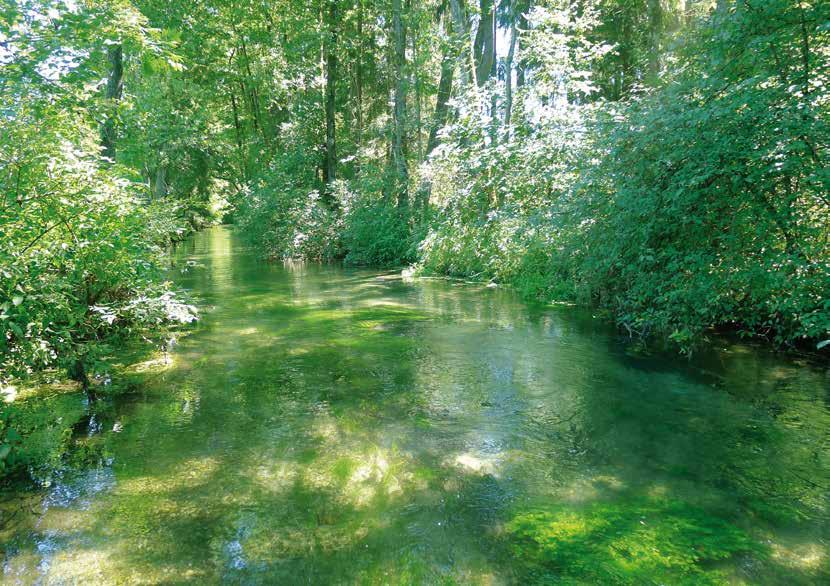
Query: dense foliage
{"points": [[82, 233], [77, 252], [699, 200], [664, 160], [714, 201]]}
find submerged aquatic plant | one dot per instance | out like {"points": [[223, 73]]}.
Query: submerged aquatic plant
{"points": [[627, 542]]}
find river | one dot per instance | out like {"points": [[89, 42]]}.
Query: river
{"points": [[327, 425]]}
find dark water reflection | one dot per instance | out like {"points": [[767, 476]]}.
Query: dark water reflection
{"points": [[330, 425]]}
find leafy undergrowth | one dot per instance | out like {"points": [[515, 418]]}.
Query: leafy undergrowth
{"points": [[639, 542]]}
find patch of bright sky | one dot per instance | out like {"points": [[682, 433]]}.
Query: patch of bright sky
{"points": [[59, 63]]}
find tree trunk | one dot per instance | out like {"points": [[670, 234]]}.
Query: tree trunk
{"points": [[508, 77], [253, 95], [359, 79], [417, 83], [463, 47], [160, 186], [805, 49], [115, 87], [656, 25], [443, 98], [494, 96], [237, 125], [330, 169], [520, 66], [77, 372], [625, 73], [400, 174], [485, 43]]}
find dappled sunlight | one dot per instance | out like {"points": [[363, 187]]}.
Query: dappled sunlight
{"points": [[186, 475], [324, 427], [53, 564], [478, 464], [387, 303], [487, 292], [299, 351], [276, 477], [358, 480], [39, 389], [590, 488], [811, 557], [8, 393], [352, 469], [158, 364]]}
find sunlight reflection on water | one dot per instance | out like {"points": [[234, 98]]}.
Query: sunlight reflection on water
{"points": [[324, 424]]}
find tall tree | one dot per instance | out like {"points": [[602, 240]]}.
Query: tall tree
{"points": [[114, 89], [449, 61], [508, 67], [485, 42], [461, 27], [655, 13], [522, 25], [330, 169], [400, 172], [361, 50]]}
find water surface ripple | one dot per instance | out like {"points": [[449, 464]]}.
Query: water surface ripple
{"points": [[324, 425]]}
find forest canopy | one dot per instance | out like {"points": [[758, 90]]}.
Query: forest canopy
{"points": [[663, 160]]}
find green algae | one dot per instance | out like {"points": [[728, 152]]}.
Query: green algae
{"points": [[632, 541]]}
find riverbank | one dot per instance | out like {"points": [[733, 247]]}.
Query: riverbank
{"points": [[91, 351], [47, 418]]}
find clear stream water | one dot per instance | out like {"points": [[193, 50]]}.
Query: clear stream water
{"points": [[326, 425]]}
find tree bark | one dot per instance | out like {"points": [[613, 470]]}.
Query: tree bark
{"points": [[656, 25], [330, 169], [160, 187], [463, 46], [417, 84], [520, 66], [359, 78], [508, 77], [485, 43], [239, 145], [400, 173], [805, 49], [253, 95], [115, 88], [443, 98]]}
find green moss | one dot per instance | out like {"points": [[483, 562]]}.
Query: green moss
{"points": [[343, 469], [630, 542]]}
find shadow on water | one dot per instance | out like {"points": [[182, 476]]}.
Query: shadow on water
{"points": [[331, 425]]}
